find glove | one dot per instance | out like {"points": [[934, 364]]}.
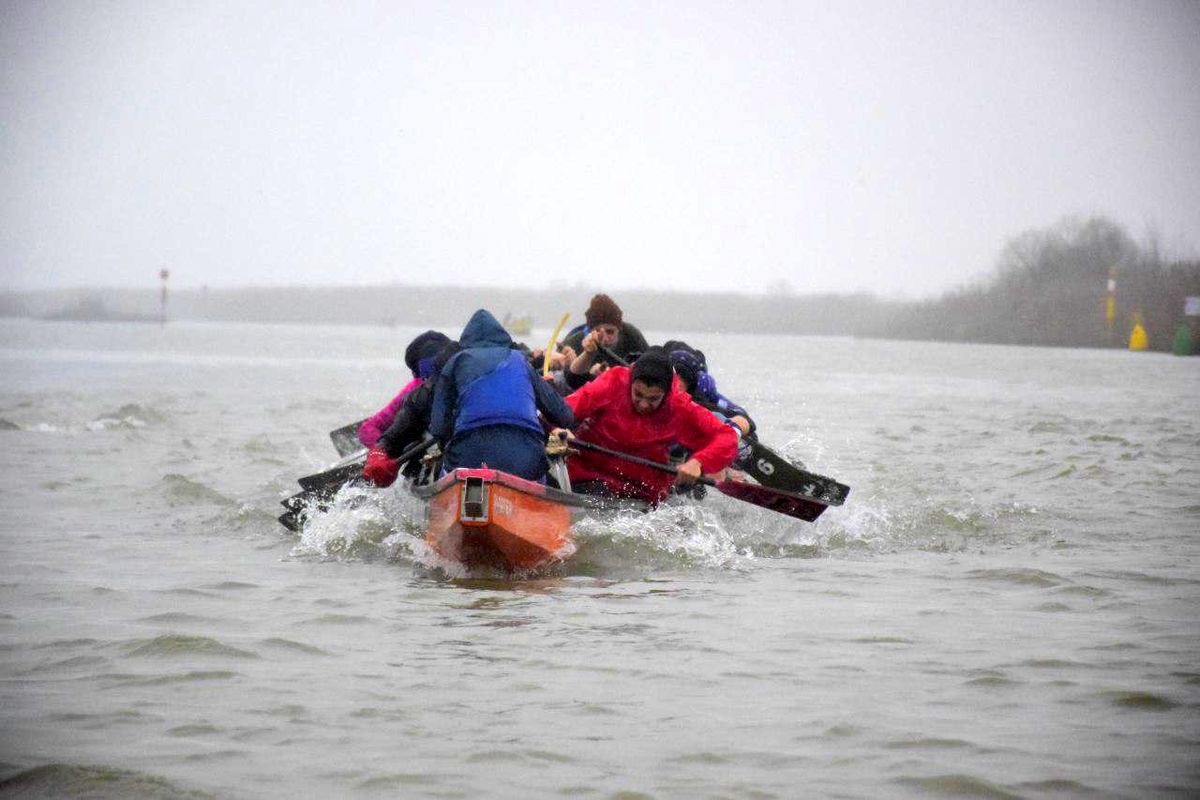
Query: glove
{"points": [[379, 469]]}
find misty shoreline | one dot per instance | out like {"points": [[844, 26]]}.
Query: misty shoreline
{"points": [[1079, 283], [448, 307]]}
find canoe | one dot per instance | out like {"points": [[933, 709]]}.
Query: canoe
{"points": [[485, 517]]}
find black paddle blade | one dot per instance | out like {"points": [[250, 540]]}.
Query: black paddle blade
{"points": [[333, 477], [299, 505], [345, 438], [773, 470], [793, 505]]}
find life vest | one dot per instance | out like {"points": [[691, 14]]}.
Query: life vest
{"points": [[503, 396]]}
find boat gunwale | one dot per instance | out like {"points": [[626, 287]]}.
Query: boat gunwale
{"points": [[530, 488]]}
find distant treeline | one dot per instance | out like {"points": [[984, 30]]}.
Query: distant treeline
{"points": [[1049, 288]]}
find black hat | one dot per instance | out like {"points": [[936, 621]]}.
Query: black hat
{"points": [[424, 346], [653, 368]]}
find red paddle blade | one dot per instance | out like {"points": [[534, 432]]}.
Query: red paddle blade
{"points": [[793, 505]]}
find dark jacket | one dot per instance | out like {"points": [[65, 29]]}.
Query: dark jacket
{"points": [[410, 422], [486, 349]]}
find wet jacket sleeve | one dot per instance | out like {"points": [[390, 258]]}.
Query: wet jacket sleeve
{"points": [[592, 396], [712, 442], [410, 422], [550, 403], [632, 340], [445, 401], [728, 408], [574, 339], [370, 431], [575, 381]]}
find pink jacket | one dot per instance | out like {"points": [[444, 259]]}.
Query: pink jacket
{"points": [[370, 431]]}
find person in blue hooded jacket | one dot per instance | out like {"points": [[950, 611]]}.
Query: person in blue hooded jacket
{"points": [[486, 404]]}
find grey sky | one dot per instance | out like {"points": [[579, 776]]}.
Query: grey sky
{"points": [[888, 147]]}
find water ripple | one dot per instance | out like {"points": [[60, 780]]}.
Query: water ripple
{"points": [[174, 645], [957, 786], [95, 783]]}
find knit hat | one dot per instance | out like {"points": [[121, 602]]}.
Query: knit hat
{"points": [[602, 311], [653, 368], [424, 346]]}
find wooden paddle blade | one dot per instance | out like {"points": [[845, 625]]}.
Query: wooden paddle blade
{"points": [[793, 505], [345, 438]]}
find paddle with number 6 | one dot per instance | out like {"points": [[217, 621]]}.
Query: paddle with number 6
{"points": [[793, 504]]}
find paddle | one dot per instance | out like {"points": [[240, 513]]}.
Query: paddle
{"points": [[611, 357], [325, 485], [790, 503], [345, 438], [774, 471], [550, 346], [771, 469]]}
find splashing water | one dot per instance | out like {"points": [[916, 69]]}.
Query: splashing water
{"points": [[359, 523]]}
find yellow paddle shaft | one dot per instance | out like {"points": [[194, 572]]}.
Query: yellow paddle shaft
{"points": [[550, 345]]}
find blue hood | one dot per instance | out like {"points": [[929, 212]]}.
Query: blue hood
{"points": [[484, 330]]}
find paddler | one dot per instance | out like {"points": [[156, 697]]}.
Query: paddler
{"points": [[486, 404], [692, 367], [642, 410], [605, 327], [418, 357], [409, 426]]}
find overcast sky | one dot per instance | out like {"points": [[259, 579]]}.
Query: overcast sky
{"points": [[892, 147]]}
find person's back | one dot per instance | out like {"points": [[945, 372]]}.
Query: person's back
{"points": [[485, 406]]}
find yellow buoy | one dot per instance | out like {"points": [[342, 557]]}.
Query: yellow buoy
{"points": [[1138, 340]]}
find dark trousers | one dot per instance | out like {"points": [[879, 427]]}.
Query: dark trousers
{"points": [[508, 448]]}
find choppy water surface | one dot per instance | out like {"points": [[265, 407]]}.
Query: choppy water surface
{"points": [[1006, 607]]}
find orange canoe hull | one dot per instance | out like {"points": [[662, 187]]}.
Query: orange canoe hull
{"points": [[484, 517]]}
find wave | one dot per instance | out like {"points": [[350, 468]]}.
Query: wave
{"points": [[291, 646], [1020, 576], [193, 676], [957, 786], [183, 491], [880, 524], [358, 524], [100, 783], [130, 415], [365, 524], [1138, 701], [174, 645], [716, 533]]}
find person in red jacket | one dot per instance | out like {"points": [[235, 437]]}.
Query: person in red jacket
{"points": [[642, 410]]}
